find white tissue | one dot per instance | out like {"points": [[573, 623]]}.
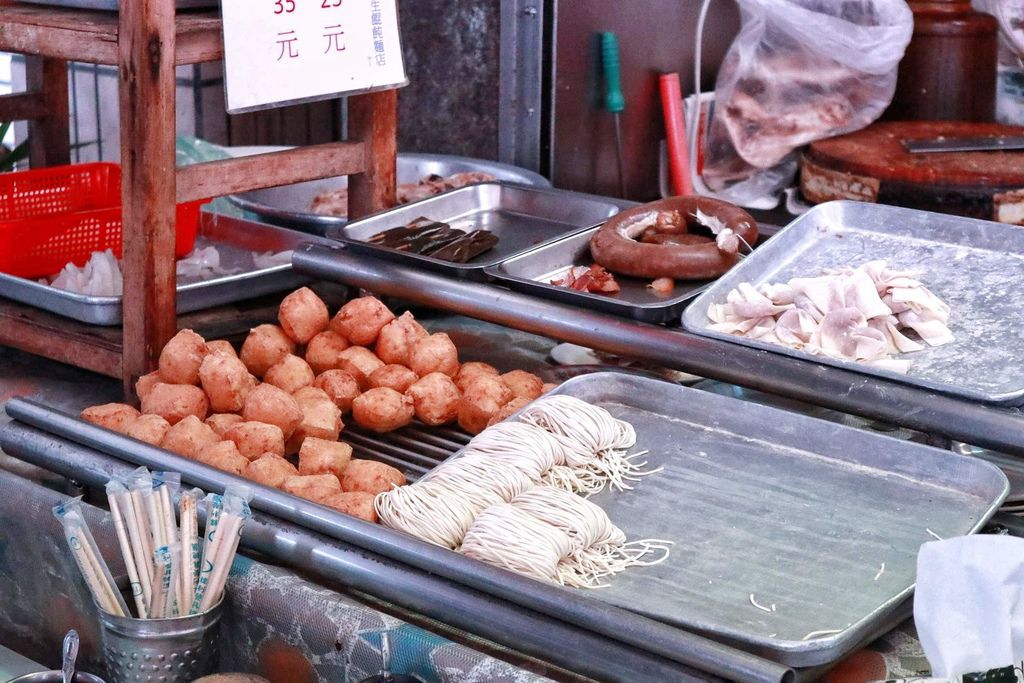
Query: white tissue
{"points": [[969, 603]]}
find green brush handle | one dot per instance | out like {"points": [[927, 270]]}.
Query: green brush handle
{"points": [[613, 99]]}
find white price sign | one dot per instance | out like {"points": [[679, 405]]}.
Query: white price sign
{"points": [[278, 51]]}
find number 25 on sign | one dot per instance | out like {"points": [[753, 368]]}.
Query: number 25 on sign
{"points": [[305, 50]]}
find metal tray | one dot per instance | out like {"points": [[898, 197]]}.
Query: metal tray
{"points": [[523, 219], [235, 238], [796, 511], [533, 272], [288, 205], [976, 266]]}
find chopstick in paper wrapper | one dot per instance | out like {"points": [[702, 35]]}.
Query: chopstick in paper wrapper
{"points": [[140, 486], [191, 548], [87, 556], [226, 517], [128, 539], [165, 487]]}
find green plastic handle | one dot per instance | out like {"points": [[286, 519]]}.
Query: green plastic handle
{"points": [[613, 99]]}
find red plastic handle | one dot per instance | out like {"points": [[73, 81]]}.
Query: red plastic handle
{"points": [[675, 131]]}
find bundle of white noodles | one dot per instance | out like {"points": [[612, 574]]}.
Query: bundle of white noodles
{"points": [[595, 445], [555, 536], [598, 547]]}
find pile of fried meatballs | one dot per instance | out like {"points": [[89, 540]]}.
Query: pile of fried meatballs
{"points": [[286, 391]]}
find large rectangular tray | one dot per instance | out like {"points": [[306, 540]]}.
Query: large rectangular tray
{"points": [[798, 512], [975, 266], [523, 218], [235, 238], [533, 272]]}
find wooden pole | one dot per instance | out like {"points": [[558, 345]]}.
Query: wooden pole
{"points": [[373, 119], [49, 142], [146, 44]]}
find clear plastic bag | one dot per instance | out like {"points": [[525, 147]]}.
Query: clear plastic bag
{"points": [[799, 71]]}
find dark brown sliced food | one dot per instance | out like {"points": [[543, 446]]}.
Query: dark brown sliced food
{"points": [[467, 248]]}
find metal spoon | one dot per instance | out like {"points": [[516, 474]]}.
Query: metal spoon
{"points": [[67, 668]]}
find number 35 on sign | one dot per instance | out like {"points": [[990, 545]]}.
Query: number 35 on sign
{"points": [[285, 51]]}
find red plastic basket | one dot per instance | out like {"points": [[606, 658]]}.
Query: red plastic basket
{"points": [[52, 216]]}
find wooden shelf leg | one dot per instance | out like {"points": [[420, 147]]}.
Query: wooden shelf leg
{"points": [[146, 62], [373, 119], [49, 140]]}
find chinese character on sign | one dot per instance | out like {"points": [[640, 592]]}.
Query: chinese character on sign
{"points": [[334, 35], [287, 43], [378, 33]]}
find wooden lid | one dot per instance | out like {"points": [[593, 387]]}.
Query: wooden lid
{"points": [[877, 152]]}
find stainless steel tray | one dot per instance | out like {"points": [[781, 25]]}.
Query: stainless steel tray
{"points": [[289, 205], [236, 239], [522, 218], [796, 511], [977, 267]]}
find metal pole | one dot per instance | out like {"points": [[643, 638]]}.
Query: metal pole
{"points": [[825, 386]]}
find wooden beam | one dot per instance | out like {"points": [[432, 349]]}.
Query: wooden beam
{"points": [[22, 106], [49, 141], [373, 119], [51, 336], [147, 88], [91, 36], [217, 178]]}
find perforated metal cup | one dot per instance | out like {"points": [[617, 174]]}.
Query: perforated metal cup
{"points": [[175, 650]]}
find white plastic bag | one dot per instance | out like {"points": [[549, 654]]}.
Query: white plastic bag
{"points": [[799, 71]]}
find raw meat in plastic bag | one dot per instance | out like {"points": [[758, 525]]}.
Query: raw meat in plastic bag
{"points": [[800, 71]]}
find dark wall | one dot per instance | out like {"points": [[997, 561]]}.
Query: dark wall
{"points": [[451, 55]]}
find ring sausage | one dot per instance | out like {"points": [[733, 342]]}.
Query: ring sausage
{"points": [[668, 249]]}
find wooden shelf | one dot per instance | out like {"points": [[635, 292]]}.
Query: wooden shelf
{"points": [[146, 40], [91, 36]]}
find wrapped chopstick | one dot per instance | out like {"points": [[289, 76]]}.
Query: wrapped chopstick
{"points": [[191, 548], [128, 534], [87, 556], [226, 516]]}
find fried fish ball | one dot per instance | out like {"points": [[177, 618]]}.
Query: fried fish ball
{"points": [[361, 320], [222, 422], [371, 476], [149, 428], [481, 401], [524, 384], [224, 456], [320, 456], [435, 399], [145, 384], [226, 381], [310, 394], [175, 401], [257, 438], [436, 353], [468, 371], [264, 347], [181, 357], [508, 410], [356, 503], [323, 352], [291, 373], [320, 419], [340, 386], [397, 377], [397, 337], [221, 346], [314, 487], [270, 470], [382, 410], [113, 416], [267, 403], [303, 315], [360, 362], [189, 436]]}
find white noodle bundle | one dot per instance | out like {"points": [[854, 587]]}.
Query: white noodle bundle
{"points": [[512, 539], [528, 447], [595, 444], [476, 476], [599, 548], [429, 510]]}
